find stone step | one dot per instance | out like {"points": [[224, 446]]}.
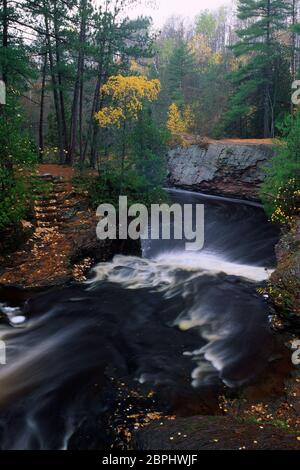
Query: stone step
{"points": [[52, 203], [59, 191], [45, 209], [47, 217], [44, 224], [59, 183], [45, 176]]}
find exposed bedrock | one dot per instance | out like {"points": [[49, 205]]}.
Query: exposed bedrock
{"points": [[220, 168]]}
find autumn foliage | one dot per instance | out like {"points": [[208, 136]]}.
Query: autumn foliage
{"points": [[128, 95], [179, 122]]}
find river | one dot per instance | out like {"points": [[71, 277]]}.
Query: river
{"points": [[174, 325]]}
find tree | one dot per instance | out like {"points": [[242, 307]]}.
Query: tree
{"points": [[4, 15], [192, 64], [127, 96], [180, 74], [116, 40], [17, 150], [293, 38], [74, 47], [42, 108], [280, 190], [135, 163], [206, 25], [148, 147], [175, 123], [77, 104], [263, 57]]}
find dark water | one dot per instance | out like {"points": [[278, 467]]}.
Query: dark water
{"points": [[178, 323]]}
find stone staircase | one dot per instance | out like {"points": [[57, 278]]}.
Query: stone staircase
{"points": [[51, 205]]}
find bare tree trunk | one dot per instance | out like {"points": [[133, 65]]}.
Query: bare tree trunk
{"points": [[93, 110], [293, 40], [78, 89], [98, 105], [54, 86], [81, 120], [4, 45], [104, 54], [41, 121], [95, 134], [7, 163], [59, 78], [5, 36], [267, 77]]}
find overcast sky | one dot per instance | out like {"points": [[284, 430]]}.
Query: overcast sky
{"points": [[166, 8]]}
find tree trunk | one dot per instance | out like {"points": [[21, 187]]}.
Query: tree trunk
{"points": [[93, 110], [103, 75], [4, 45], [105, 41], [267, 77], [293, 40], [60, 78], [123, 156], [95, 134], [78, 89], [41, 121], [81, 119], [5, 36], [267, 133], [54, 86]]}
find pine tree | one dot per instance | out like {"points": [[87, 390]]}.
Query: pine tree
{"points": [[259, 78], [180, 74]]}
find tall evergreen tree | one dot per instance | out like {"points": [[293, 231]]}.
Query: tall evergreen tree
{"points": [[180, 74], [264, 69]]}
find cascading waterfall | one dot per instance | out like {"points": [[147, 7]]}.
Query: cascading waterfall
{"points": [[173, 321]]}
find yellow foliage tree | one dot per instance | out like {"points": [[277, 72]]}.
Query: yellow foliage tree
{"points": [[127, 98], [198, 45], [180, 123], [175, 122]]}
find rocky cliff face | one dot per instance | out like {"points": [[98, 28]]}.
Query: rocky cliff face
{"points": [[220, 168]]}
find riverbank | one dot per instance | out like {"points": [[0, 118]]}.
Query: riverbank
{"points": [[231, 168], [261, 415], [285, 281], [61, 245]]}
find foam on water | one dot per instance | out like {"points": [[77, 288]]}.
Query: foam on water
{"points": [[175, 272], [214, 264], [136, 273]]}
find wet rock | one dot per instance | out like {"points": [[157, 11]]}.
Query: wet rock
{"points": [[212, 433]]}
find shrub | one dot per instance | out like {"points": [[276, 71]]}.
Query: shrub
{"points": [[17, 162], [281, 189]]}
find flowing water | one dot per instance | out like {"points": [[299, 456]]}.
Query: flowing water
{"points": [[174, 322]]}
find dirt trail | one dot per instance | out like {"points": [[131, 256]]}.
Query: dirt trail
{"points": [[193, 139], [242, 141], [64, 229]]}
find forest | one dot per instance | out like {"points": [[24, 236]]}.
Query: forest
{"points": [[90, 87]]}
